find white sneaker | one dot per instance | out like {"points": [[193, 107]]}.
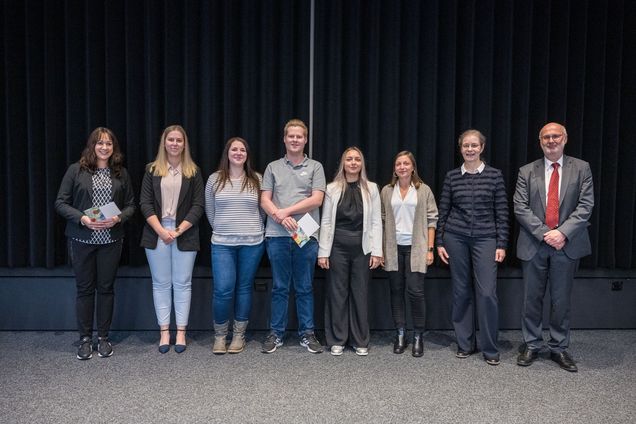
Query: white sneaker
{"points": [[362, 351], [337, 350]]}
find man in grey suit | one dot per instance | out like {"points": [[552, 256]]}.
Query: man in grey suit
{"points": [[553, 211]]}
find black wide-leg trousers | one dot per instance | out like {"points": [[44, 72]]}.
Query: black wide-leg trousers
{"points": [[346, 306]]}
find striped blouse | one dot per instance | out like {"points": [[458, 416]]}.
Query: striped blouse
{"points": [[474, 205], [234, 215]]}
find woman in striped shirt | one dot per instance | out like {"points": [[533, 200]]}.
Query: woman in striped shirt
{"points": [[472, 234], [232, 206]]}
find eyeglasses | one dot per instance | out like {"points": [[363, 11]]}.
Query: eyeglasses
{"points": [[548, 137]]}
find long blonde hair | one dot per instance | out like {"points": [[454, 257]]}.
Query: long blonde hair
{"points": [[159, 167], [341, 179]]}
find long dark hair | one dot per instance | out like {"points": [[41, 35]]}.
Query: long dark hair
{"points": [[250, 181], [88, 160]]}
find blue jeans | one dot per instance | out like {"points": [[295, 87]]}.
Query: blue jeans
{"points": [[171, 270], [292, 265], [234, 268]]}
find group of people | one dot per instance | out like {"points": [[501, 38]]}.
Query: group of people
{"points": [[362, 228]]}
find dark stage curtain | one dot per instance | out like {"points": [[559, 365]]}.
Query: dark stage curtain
{"points": [[389, 75], [219, 68], [395, 75]]}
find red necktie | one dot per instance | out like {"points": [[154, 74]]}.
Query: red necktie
{"points": [[552, 210]]}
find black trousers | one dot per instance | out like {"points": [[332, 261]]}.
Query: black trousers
{"points": [[95, 267], [413, 282], [346, 306]]}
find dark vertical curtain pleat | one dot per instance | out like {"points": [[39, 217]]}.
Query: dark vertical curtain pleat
{"points": [[424, 71], [624, 249], [389, 76], [219, 68]]}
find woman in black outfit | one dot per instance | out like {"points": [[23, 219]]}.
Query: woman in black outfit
{"points": [[95, 244]]}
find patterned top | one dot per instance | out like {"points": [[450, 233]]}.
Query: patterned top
{"points": [[102, 194], [234, 215], [474, 205]]}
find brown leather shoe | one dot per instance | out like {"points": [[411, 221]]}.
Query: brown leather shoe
{"points": [[527, 357], [564, 360]]}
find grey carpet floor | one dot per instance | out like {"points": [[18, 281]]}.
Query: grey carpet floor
{"points": [[42, 382]]}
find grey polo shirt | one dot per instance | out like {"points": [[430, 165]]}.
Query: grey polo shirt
{"points": [[289, 185]]}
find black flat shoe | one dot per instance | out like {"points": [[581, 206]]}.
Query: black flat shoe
{"points": [[492, 361], [462, 354], [564, 360], [527, 357]]}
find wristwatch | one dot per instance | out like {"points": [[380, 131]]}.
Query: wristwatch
{"points": [[430, 249]]}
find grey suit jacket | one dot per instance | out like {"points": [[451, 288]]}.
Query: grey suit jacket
{"points": [[576, 200]]}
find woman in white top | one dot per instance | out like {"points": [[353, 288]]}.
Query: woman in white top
{"points": [[232, 207], [409, 213], [350, 247]]}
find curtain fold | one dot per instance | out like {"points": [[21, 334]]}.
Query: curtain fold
{"points": [[389, 75]]}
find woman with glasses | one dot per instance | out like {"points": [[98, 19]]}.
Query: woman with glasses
{"points": [[472, 237]]}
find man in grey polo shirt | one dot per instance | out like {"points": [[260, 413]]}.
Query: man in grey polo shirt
{"points": [[292, 186]]}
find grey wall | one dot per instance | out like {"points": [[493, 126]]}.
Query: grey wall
{"points": [[44, 299]]}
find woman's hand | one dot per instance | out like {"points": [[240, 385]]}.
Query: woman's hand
{"points": [[323, 263], [375, 261], [99, 225], [443, 255], [500, 255], [167, 236], [429, 258]]}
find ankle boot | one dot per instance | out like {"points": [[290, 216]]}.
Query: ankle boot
{"points": [[238, 337], [418, 344], [220, 336], [399, 345]]}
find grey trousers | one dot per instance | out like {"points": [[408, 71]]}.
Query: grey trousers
{"points": [[553, 266]]}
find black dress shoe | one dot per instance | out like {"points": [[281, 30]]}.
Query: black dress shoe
{"points": [[462, 354], [564, 360], [399, 345], [418, 344], [527, 357]]}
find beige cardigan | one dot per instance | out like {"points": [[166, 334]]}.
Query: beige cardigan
{"points": [[425, 218]]}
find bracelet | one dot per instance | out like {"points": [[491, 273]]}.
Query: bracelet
{"points": [[430, 249]]}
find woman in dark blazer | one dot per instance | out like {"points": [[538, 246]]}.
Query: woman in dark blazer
{"points": [[95, 243], [172, 202]]}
